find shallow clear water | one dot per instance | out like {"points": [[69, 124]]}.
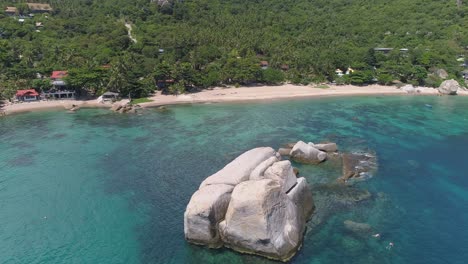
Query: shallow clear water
{"points": [[98, 187]]}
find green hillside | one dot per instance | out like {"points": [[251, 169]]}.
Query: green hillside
{"points": [[202, 43]]}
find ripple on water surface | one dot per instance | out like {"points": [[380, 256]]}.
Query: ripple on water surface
{"points": [[99, 187]]}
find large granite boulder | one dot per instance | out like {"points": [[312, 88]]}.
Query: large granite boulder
{"points": [[205, 210], [327, 147], [239, 170], [307, 153], [255, 204], [301, 196], [283, 173], [259, 171], [262, 220], [449, 87]]}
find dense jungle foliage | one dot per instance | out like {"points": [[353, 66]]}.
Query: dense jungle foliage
{"points": [[184, 45]]}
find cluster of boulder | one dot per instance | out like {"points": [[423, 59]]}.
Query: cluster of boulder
{"points": [[255, 205], [124, 106], [448, 87], [308, 153]]}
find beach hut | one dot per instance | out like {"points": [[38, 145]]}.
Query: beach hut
{"points": [[11, 10], [339, 73], [28, 95], [349, 71], [109, 96]]}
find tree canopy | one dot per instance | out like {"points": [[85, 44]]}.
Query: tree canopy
{"points": [[202, 43]]}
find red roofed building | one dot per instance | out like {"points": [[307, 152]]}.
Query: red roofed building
{"points": [[57, 79], [59, 90], [27, 95], [58, 75]]}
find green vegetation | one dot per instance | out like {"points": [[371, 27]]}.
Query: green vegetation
{"points": [[322, 86], [201, 43], [141, 100]]}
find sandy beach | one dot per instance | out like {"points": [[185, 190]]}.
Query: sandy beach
{"points": [[231, 95], [281, 92]]}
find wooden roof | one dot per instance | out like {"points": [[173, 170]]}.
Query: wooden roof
{"points": [[11, 9], [39, 7]]}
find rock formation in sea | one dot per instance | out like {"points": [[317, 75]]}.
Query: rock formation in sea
{"points": [[255, 205], [307, 153]]}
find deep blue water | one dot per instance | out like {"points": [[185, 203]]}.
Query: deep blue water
{"points": [[99, 187]]}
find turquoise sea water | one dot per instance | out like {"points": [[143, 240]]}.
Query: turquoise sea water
{"points": [[99, 187]]}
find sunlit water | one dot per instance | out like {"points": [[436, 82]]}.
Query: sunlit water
{"points": [[99, 187]]}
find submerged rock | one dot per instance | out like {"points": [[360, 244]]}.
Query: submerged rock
{"points": [[358, 228], [306, 153], [255, 205], [332, 198], [357, 166], [449, 87]]}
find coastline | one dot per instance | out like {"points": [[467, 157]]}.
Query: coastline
{"points": [[48, 105], [241, 94]]}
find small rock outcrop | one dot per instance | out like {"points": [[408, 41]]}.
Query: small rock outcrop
{"points": [[124, 106], [255, 205], [307, 153], [449, 87], [408, 88]]}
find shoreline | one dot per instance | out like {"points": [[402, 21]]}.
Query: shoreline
{"points": [[241, 94]]}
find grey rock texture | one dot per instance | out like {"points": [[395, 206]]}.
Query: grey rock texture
{"points": [[254, 205], [449, 87], [307, 153]]}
